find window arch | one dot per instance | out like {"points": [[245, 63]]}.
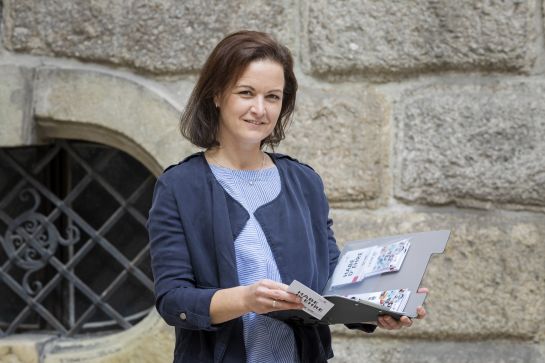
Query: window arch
{"points": [[74, 254]]}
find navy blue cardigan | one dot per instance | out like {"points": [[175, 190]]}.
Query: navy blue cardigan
{"points": [[192, 225]]}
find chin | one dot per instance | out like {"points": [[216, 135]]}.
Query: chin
{"points": [[254, 137]]}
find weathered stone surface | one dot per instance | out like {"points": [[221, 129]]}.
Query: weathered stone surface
{"points": [[375, 37], [487, 284], [172, 36], [1, 21], [15, 101], [472, 142], [21, 348], [151, 341], [80, 28], [161, 36], [371, 350], [340, 131], [105, 108]]}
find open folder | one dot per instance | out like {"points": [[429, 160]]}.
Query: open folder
{"points": [[379, 276]]}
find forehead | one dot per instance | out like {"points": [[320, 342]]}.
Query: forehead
{"points": [[263, 74]]}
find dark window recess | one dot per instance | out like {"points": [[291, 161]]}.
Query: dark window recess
{"points": [[74, 254]]}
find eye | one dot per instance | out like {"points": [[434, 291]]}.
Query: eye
{"points": [[245, 93], [274, 97]]}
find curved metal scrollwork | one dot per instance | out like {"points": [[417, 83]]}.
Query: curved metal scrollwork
{"points": [[31, 239], [47, 277]]}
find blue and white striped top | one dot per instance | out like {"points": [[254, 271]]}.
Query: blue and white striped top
{"points": [[266, 339]]}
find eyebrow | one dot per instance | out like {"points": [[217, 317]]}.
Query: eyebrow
{"points": [[253, 89]]}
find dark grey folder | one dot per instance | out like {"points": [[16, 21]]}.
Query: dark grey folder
{"points": [[409, 276]]}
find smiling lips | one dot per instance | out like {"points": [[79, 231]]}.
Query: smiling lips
{"points": [[255, 122]]}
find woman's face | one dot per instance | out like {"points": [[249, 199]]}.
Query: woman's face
{"points": [[249, 110]]}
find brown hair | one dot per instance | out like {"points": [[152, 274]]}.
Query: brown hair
{"points": [[200, 120]]}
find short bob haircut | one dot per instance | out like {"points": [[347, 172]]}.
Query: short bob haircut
{"points": [[200, 120]]}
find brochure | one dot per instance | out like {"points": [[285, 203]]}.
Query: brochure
{"points": [[394, 300], [358, 264]]}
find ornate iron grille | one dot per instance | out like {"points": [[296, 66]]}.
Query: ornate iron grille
{"points": [[75, 257]]}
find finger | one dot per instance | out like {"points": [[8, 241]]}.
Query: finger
{"points": [[423, 290], [286, 296], [270, 291], [394, 323], [421, 312], [381, 323], [388, 322], [285, 305], [275, 285], [405, 321], [290, 302], [388, 325], [278, 291]]}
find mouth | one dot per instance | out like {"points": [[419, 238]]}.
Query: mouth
{"points": [[254, 122]]}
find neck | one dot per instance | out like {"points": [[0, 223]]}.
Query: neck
{"points": [[237, 157]]}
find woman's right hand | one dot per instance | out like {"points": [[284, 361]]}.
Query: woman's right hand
{"points": [[261, 297], [265, 296]]}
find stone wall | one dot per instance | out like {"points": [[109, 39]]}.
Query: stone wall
{"points": [[419, 115]]}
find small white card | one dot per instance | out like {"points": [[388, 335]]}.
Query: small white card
{"points": [[315, 304]]}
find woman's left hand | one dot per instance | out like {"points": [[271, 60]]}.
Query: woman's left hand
{"points": [[389, 323]]}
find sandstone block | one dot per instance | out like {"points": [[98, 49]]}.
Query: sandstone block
{"points": [[174, 36], [472, 144], [340, 132], [80, 28], [487, 284], [161, 36], [109, 109], [392, 350], [383, 37], [150, 341], [23, 348], [15, 104]]}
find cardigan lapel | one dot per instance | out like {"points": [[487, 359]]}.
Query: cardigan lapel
{"points": [[228, 220], [287, 229]]}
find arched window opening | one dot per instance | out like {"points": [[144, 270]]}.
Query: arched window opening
{"points": [[74, 254]]}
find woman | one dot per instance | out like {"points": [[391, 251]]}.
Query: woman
{"points": [[229, 227]]}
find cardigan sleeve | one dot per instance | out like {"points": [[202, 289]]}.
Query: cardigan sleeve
{"points": [[177, 299], [333, 248]]}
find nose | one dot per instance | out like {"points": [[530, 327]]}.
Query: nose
{"points": [[258, 107]]}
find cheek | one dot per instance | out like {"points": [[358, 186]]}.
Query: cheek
{"points": [[275, 112], [235, 107]]}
